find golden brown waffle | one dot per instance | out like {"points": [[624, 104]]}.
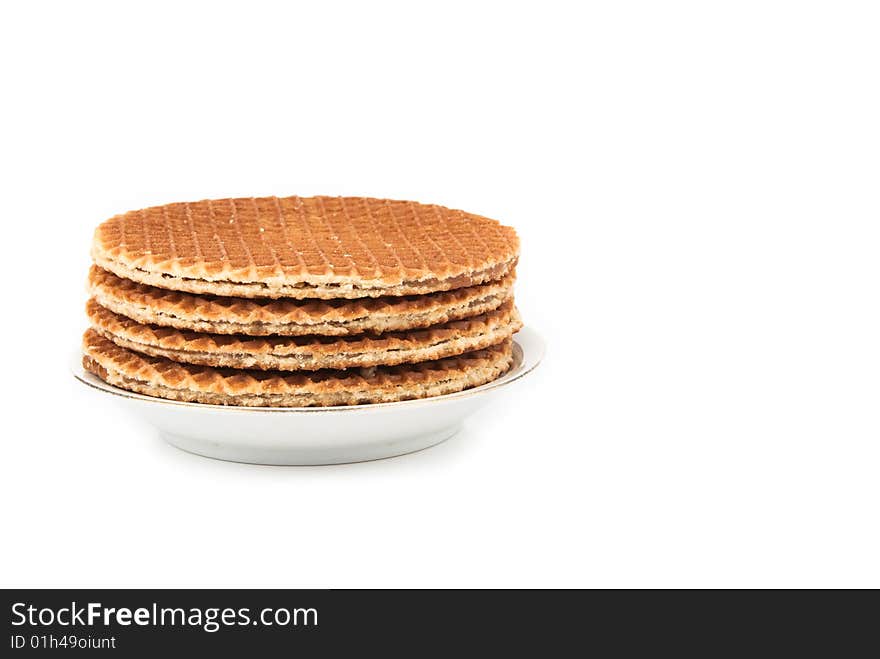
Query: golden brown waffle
{"points": [[157, 376], [305, 247], [219, 315], [307, 353]]}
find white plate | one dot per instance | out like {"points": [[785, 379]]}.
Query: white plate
{"points": [[317, 435]]}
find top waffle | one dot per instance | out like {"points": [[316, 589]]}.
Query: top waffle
{"points": [[305, 247]]}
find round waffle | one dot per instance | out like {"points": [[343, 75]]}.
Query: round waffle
{"points": [[307, 353], [305, 247], [163, 378], [263, 317]]}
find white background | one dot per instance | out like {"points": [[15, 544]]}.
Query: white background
{"points": [[696, 188]]}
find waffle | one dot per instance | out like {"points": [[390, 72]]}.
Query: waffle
{"points": [[305, 247], [157, 376], [217, 315], [307, 353]]}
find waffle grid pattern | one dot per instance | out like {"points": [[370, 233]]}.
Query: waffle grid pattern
{"points": [[300, 301], [361, 245]]}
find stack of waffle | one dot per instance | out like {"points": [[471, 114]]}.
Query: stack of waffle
{"points": [[300, 301]]}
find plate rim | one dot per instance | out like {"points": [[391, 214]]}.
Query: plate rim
{"points": [[529, 342]]}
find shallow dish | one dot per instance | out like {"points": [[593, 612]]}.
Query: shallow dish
{"points": [[317, 435]]}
